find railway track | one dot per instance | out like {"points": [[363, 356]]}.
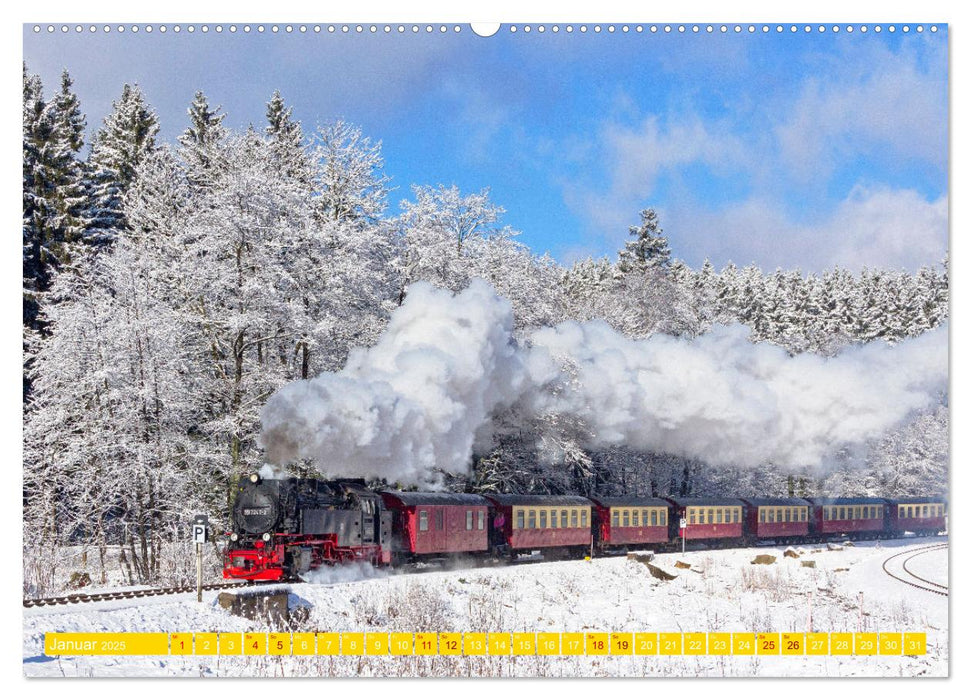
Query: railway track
{"points": [[126, 595], [174, 590], [932, 586]]}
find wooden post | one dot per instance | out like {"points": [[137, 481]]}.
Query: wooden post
{"points": [[198, 572]]}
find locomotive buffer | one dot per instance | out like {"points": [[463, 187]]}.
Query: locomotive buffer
{"points": [[200, 535]]}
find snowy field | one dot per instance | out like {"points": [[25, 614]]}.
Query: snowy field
{"points": [[723, 591]]}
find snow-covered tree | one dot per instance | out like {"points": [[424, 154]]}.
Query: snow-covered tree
{"points": [[350, 184], [648, 248], [438, 231], [200, 140], [127, 137], [286, 138]]}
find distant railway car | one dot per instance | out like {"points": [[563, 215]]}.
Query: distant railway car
{"points": [[917, 514], [630, 520], [780, 519], [860, 517], [710, 519], [525, 523], [427, 525]]}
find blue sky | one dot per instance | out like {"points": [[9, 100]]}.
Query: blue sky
{"points": [[784, 149]]}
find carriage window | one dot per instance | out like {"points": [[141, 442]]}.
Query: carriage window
{"points": [[691, 517], [573, 517], [635, 518], [542, 519], [553, 519], [664, 517], [563, 518], [423, 520], [439, 519], [924, 511], [841, 513], [468, 520], [761, 515], [583, 517], [626, 518], [520, 519], [771, 515], [718, 515], [654, 515], [532, 519], [615, 517], [701, 516]]}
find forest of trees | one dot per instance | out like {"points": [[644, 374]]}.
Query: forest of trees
{"points": [[170, 289]]}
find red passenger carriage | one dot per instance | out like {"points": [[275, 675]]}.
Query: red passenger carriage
{"points": [[526, 523], [428, 525], [630, 520], [918, 514], [859, 517], [713, 520], [780, 519]]}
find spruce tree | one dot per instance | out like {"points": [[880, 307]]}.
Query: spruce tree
{"points": [[286, 140], [53, 199], [649, 247], [200, 141], [127, 137]]}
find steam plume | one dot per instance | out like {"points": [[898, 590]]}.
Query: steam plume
{"points": [[423, 397]]}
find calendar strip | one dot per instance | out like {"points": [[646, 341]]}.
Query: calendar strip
{"points": [[485, 644]]}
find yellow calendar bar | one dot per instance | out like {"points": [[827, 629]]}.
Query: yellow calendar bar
{"points": [[485, 644]]}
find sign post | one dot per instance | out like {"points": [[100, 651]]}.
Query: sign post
{"points": [[200, 533], [684, 534]]}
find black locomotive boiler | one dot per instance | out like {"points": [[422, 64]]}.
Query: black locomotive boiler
{"points": [[285, 527]]}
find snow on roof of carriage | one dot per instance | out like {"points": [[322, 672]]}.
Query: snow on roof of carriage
{"points": [[434, 498], [519, 499], [853, 500], [617, 501], [776, 501], [679, 501]]}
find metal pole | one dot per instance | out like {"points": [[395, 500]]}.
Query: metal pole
{"points": [[198, 572]]}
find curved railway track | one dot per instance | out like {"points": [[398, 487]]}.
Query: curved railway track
{"points": [[932, 586], [126, 595]]}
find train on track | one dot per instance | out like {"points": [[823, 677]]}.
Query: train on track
{"points": [[282, 528]]}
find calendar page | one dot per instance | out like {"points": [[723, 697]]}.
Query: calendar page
{"points": [[537, 350]]}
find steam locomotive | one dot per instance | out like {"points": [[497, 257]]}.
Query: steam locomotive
{"points": [[283, 528]]}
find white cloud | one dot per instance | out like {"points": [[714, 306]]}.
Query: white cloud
{"points": [[881, 103], [871, 226], [869, 115], [635, 157]]}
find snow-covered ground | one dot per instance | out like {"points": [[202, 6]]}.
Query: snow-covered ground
{"points": [[723, 591]]}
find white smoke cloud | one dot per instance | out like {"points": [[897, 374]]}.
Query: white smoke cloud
{"points": [[412, 403], [418, 400], [725, 400]]}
